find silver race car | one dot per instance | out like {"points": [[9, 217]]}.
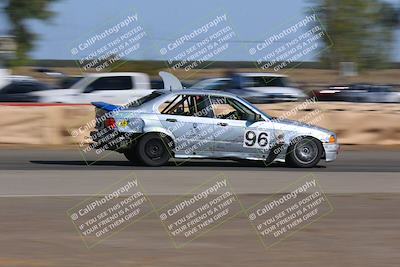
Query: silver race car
{"points": [[188, 124]]}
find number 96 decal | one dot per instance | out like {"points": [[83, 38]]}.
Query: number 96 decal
{"points": [[256, 139]]}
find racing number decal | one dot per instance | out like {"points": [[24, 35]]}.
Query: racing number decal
{"points": [[250, 139], [256, 139]]}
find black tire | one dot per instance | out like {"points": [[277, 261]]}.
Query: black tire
{"points": [[305, 153], [152, 150], [132, 156]]}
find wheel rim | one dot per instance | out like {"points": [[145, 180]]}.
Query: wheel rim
{"points": [[306, 151], [154, 149]]}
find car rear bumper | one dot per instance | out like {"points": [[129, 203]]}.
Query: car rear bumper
{"points": [[112, 140], [331, 151]]}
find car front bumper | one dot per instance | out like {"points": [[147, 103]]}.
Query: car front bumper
{"points": [[331, 151]]}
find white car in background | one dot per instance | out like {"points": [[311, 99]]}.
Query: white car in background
{"points": [[255, 87], [115, 88], [3, 75]]}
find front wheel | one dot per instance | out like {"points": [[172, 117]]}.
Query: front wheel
{"points": [[132, 156], [305, 153], [152, 150]]}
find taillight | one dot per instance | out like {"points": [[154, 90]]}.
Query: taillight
{"points": [[110, 122]]}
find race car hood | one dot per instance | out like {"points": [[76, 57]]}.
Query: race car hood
{"points": [[292, 123], [300, 128]]}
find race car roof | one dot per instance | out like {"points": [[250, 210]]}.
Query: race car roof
{"points": [[198, 91]]}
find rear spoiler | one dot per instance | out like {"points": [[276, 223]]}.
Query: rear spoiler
{"points": [[106, 106], [170, 81]]}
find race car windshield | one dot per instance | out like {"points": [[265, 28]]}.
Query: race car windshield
{"points": [[255, 108], [144, 99]]}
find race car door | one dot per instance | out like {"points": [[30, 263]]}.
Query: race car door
{"points": [[236, 132], [191, 124]]}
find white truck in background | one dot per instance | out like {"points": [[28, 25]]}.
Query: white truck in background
{"points": [[114, 87], [4, 73]]}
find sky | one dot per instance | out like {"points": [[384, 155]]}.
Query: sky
{"points": [[165, 21]]}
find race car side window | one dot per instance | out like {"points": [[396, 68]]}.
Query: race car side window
{"points": [[180, 105], [201, 106], [230, 109], [188, 105]]}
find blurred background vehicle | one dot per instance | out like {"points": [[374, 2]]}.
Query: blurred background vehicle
{"points": [[63, 80], [116, 88], [22, 89], [365, 93], [156, 84], [4, 73], [368, 93], [255, 87], [159, 84], [68, 81], [332, 93], [213, 84]]}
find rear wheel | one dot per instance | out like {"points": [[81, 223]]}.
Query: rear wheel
{"points": [[305, 153], [152, 150]]}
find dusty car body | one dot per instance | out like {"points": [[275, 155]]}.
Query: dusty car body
{"points": [[188, 124]]}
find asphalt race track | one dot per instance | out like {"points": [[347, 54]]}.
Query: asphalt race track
{"points": [[348, 161], [37, 187], [66, 173]]}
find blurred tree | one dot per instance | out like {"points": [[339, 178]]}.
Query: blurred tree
{"points": [[360, 31], [18, 12]]}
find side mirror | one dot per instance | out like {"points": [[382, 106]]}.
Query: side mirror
{"points": [[255, 117]]}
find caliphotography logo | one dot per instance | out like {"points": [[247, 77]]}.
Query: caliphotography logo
{"points": [[200, 44], [108, 212], [199, 211], [109, 45], [287, 212]]}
